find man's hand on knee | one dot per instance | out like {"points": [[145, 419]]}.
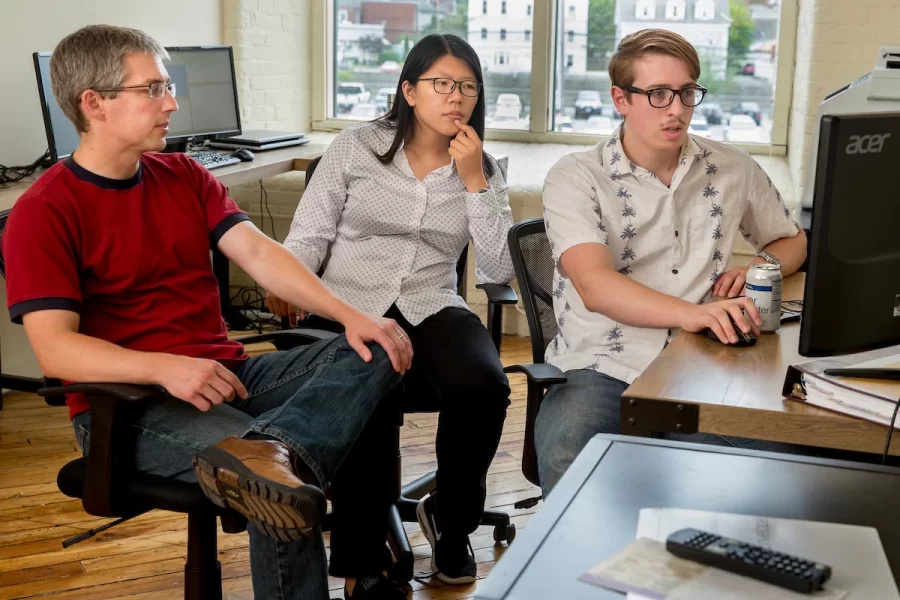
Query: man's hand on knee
{"points": [[204, 383]]}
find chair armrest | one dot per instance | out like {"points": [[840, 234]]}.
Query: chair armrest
{"points": [[120, 391], [288, 338], [541, 374], [110, 404], [499, 293]]}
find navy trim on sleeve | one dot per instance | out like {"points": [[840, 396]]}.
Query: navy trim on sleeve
{"points": [[20, 309], [224, 225]]}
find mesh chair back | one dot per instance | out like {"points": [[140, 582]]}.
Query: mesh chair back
{"points": [[534, 266]]}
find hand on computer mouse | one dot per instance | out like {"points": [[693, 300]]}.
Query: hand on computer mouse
{"points": [[725, 318], [743, 339]]}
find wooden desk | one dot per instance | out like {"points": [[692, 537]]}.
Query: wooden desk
{"points": [[698, 385], [264, 164], [269, 164]]}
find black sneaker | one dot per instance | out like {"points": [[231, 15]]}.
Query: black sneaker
{"points": [[375, 587], [452, 557]]}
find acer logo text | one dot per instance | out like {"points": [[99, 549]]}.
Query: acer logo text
{"points": [[867, 144]]}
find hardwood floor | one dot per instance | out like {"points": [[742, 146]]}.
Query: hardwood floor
{"points": [[144, 558]]}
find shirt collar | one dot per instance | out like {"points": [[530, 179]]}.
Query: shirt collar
{"points": [[616, 164], [402, 162]]}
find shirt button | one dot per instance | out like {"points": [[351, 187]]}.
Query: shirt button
{"points": [[676, 233], [674, 271]]}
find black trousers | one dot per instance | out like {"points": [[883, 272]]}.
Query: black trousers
{"points": [[456, 371]]}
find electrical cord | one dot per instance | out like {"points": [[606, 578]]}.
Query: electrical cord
{"points": [[887, 442], [264, 198], [11, 175]]}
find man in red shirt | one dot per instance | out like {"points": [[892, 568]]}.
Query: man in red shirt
{"points": [[108, 268]]}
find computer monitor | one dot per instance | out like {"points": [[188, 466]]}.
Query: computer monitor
{"points": [[62, 138], [205, 89], [852, 297]]}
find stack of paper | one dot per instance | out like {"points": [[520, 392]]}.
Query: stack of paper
{"points": [[870, 399], [860, 570]]}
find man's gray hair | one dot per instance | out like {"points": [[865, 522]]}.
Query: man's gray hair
{"points": [[93, 58]]}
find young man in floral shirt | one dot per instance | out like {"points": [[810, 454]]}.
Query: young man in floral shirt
{"points": [[642, 229]]}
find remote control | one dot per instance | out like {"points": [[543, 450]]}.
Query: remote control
{"points": [[791, 572]]}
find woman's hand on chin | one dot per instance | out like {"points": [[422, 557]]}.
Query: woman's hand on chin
{"points": [[466, 150]]}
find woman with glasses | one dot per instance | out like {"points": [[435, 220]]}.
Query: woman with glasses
{"points": [[388, 212]]}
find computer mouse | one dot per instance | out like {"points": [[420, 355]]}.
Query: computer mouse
{"points": [[243, 154], [744, 339]]}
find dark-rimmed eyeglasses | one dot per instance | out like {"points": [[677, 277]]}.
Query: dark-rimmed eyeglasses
{"points": [[445, 85], [155, 90], [663, 97]]}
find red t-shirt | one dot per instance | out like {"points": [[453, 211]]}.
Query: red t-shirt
{"points": [[132, 257]]}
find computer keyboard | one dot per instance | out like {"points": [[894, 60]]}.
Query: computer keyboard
{"points": [[214, 160]]}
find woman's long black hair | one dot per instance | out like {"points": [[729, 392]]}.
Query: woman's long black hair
{"points": [[424, 54]]}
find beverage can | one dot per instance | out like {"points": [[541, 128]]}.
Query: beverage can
{"points": [[763, 286]]}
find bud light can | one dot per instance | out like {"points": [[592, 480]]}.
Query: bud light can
{"points": [[763, 286]]}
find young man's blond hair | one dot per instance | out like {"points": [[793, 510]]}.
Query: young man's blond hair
{"points": [[650, 41]]}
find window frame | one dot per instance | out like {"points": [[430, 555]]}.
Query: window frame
{"points": [[544, 49]]}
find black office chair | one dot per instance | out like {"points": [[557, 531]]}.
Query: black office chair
{"points": [[533, 261], [408, 496], [108, 489]]}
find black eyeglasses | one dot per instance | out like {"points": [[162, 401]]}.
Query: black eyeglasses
{"points": [[155, 90], [445, 85], [663, 97]]}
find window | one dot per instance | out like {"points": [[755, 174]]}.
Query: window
{"points": [[502, 34], [560, 49], [503, 7], [645, 10], [705, 10], [740, 82], [675, 10]]}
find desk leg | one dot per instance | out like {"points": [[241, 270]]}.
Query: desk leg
{"points": [[642, 417], [220, 270], [234, 319]]}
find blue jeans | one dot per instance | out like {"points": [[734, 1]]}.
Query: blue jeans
{"points": [[587, 404], [316, 399]]}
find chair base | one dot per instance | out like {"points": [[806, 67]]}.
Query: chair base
{"points": [[404, 511], [202, 571]]}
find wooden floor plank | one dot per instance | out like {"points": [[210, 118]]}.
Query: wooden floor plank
{"points": [[143, 559]]}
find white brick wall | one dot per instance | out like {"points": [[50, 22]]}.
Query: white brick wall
{"points": [[837, 41], [272, 55]]}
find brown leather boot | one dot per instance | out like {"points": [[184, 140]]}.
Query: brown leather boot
{"points": [[257, 479]]}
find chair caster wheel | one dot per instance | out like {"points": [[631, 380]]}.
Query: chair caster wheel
{"points": [[505, 534], [401, 573]]}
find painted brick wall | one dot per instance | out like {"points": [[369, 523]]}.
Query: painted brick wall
{"points": [[837, 41]]}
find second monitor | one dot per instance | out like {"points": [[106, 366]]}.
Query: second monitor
{"points": [[206, 91]]}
